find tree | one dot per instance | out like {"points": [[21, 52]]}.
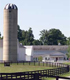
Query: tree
{"points": [[68, 41], [47, 37], [37, 42], [68, 54], [30, 36], [40, 58], [0, 36], [55, 36], [44, 37], [52, 37], [19, 31], [27, 37]]}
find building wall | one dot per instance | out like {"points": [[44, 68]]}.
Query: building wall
{"points": [[28, 58], [46, 55], [1, 54], [21, 54], [29, 53]]}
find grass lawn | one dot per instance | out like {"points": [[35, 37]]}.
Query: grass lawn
{"points": [[62, 75], [67, 63], [65, 74], [21, 68]]}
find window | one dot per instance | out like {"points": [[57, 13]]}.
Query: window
{"points": [[46, 58]]}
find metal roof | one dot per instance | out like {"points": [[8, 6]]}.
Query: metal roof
{"points": [[10, 6], [51, 47], [57, 54], [50, 54]]}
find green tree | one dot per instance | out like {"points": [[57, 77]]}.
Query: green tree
{"points": [[52, 37], [27, 37], [40, 58], [68, 54], [0, 36], [19, 32], [68, 41], [55, 36], [37, 42], [44, 37], [30, 36]]}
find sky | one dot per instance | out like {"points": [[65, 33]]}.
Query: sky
{"points": [[40, 14]]}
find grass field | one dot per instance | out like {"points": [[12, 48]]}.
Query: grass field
{"points": [[66, 74], [67, 63], [21, 68]]}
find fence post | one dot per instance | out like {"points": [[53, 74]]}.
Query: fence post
{"points": [[29, 62], [68, 68], [49, 64], [43, 63], [46, 63], [37, 76], [56, 64], [11, 62], [1, 76], [39, 63], [23, 62], [34, 63], [17, 62], [52, 64], [57, 78]]}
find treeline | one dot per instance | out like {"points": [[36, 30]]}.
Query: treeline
{"points": [[47, 37], [27, 37]]}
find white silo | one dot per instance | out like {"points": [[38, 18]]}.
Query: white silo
{"points": [[10, 33]]}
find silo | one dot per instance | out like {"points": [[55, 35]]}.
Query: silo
{"points": [[10, 33]]}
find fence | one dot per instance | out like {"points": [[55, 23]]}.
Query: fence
{"points": [[35, 75], [37, 63]]}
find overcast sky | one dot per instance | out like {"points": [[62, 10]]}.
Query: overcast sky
{"points": [[40, 14]]}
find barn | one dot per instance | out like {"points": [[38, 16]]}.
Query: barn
{"points": [[32, 53], [48, 53]]}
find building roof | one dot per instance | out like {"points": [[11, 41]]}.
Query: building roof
{"points": [[57, 54], [50, 54], [50, 47], [42, 47], [21, 45], [10, 6]]}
